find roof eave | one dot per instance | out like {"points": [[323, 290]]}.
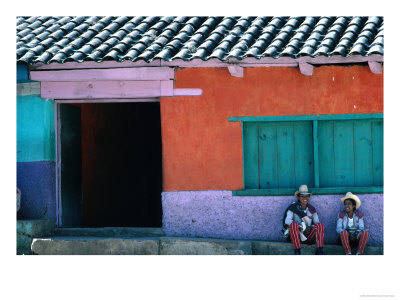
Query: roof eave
{"points": [[195, 63]]}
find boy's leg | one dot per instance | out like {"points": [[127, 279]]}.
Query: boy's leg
{"points": [[344, 238], [294, 235], [362, 241], [317, 232]]}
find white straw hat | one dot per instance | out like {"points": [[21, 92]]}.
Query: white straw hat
{"points": [[303, 189], [349, 195]]}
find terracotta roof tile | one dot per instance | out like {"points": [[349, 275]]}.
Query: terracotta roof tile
{"points": [[61, 39]]}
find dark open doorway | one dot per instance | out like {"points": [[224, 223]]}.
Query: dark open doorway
{"points": [[121, 166]]}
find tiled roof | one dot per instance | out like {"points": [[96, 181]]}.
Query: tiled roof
{"points": [[64, 39]]}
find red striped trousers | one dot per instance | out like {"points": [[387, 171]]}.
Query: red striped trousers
{"points": [[317, 233], [362, 241]]}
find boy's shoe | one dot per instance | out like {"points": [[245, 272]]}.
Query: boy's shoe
{"points": [[297, 252]]}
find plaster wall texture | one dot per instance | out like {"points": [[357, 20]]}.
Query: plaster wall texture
{"points": [[36, 157], [202, 150], [36, 180], [218, 214], [35, 129]]}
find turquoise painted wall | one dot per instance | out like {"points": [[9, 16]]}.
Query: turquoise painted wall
{"points": [[23, 73], [35, 129]]}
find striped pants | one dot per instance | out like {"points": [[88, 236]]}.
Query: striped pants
{"points": [[317, 233], [362, 240]]}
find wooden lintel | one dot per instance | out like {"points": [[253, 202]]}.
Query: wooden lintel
{"points": [[375, 67], [100, 89], [235, 70], [112, 89], [306, 69], [141, 73]]}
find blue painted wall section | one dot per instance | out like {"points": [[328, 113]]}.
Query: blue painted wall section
{"points": [[22, 73], [35, 129], [35, 153], [36, 181]]}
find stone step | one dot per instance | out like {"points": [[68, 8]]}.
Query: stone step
{"points": [[27, 230], [286, 248], [95, 245], [111, 232], [203, 246]]}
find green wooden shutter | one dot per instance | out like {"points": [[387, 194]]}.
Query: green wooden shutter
{"points": [[250, 148], [363, 153], [350, 153], [278, 154], [268, 156], [304, 154], [343, 135], [377, 152], [326, 154]]}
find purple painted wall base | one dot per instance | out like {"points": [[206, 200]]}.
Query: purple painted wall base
{"points": [[36, 180], [218, 214]]}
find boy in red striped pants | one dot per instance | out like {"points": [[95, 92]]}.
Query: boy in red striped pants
{"points": [[350, 225], [302, 222]]}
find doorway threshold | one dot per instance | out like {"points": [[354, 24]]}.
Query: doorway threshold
{"points": [[129, 232]]}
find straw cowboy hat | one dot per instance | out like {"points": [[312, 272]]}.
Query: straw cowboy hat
{"points": [[303, 189], [349, 195]]}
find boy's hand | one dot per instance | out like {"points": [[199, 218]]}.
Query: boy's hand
{"points": [[307, 230]]}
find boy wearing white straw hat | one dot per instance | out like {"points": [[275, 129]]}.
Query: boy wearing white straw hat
{"points": [[301, 222], [350, 225]]}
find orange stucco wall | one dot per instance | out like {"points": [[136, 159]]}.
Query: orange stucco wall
{"points": [[203, 151]]}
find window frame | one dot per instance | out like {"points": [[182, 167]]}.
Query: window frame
{"points": [[314, 118]]}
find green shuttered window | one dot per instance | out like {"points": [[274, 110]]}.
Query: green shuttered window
{"points": [[331, 154]]}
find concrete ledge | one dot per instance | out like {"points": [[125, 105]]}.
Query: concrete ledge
{"points": [[94, 246], [188, 246], [286, 248], [86, 245], [29, 229]]}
